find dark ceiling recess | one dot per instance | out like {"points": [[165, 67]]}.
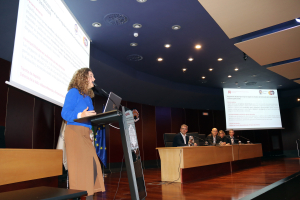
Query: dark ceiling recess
{"points": [[134, 57], [115, 18], [251, 83]]}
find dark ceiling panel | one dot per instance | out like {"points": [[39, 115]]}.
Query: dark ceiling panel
{"points": [[149, 81]]}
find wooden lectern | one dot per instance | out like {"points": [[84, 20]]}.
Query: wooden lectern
{"points": [[130, 147]]}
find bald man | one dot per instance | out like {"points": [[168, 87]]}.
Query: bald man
{"points": [[213, 138]]}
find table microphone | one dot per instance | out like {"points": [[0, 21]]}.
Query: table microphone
{"points": [[244, 138]]}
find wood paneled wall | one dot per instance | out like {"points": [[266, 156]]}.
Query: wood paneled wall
{"points": [[34, 123]]}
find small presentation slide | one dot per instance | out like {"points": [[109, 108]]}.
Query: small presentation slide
{"points": [[251, 109], [49, 47]]}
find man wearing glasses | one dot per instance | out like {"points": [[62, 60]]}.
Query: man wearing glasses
{"points": [[181, 139]]}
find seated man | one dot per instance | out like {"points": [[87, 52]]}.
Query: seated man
{"points": [[213, 138], [230, 140], [181, 139]]}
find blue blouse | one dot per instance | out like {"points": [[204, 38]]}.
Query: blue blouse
{"points": [[74, 104]]}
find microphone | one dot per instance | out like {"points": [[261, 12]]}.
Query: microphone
{"points": [[244, 138], [199, 138], [103, 91], [106, 94]]}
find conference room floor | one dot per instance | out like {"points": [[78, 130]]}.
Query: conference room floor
{"points": [[231, 186]]}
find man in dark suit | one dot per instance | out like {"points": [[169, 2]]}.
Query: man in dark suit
{"points": [[181, 139], [230, 140], [213, 138]]}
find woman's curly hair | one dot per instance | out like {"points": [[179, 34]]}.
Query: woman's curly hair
{"points": [[81, 83]]}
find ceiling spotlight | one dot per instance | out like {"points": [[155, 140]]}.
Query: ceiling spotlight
{"points": [[259, 86], [223, 82], [210, 69], [190, 59], [279, 85], [96, 24], [220, 59], [135, 34], [159, 59], [141, 1], [133, 44], [184, 69], [136, 25], [245, 81], [203, 77], [268, 81], [176, 27], [298, 99], [198, 46], [229, 76], [297, 20], [167, 45], [236, 69], [93, 0], [254, 75]]}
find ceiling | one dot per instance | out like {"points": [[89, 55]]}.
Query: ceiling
{"points": [[162, 83]]}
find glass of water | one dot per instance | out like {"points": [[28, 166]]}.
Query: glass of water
{"points": [[191, 141]]}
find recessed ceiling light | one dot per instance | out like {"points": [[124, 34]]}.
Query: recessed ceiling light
{"points": [[190, 59], [254, 75], [297, 20], [236, 69], [229, 76], [167, 45], [198, 46], [246, 81], [184, 69], [141, 1], [210, 69], [96, 24], [176, 27], [203, 77], [220, 59], [133, 44], [223, 82], [259, 86], [136, 25], [159, 59], [93, 0], [298, 99], [268, 81]]}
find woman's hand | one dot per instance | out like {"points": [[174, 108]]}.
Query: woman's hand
{"points": [[87, 113]]}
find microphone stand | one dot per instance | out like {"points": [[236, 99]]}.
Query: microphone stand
{"points": [[244, 138], [104, 92]]}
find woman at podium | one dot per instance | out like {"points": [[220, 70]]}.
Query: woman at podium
{"points": [[83, 164]]}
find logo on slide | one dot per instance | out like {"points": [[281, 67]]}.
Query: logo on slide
{"points": [[260, 91], [85, 42], [135, 115], [271, 92], [76, 28], [229, 92]]}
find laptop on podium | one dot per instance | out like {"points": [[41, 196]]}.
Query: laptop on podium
{"points": [[113, 102]]}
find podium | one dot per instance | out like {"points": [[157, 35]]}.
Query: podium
{"points": [[130, 147]]}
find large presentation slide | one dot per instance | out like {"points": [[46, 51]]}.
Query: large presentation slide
{"points": [[49, 47], [252, 109]]}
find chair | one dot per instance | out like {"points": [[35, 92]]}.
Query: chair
{"points": [[201, 142], [168, 139]]}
